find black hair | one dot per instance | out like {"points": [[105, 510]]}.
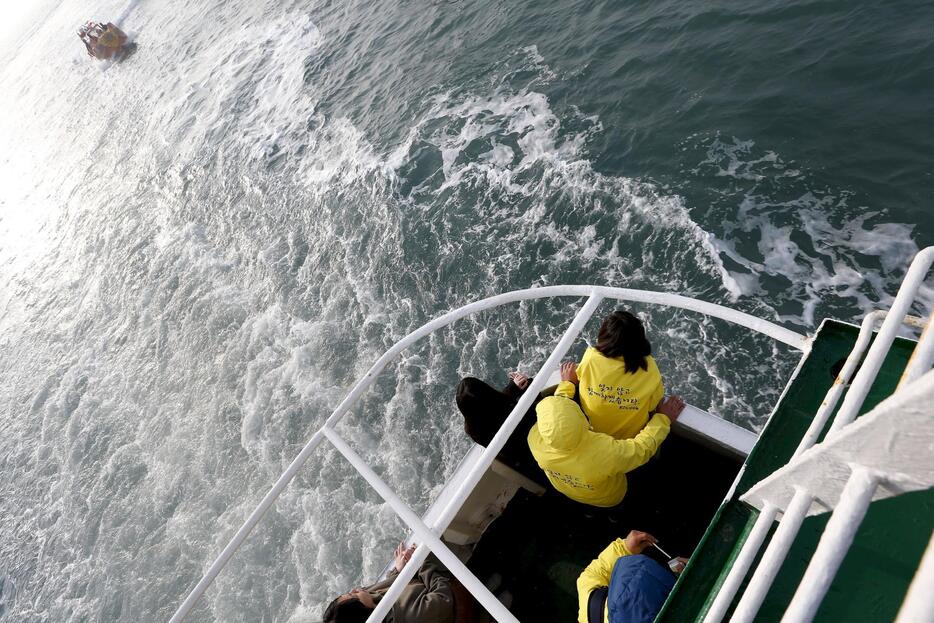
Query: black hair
{"points": [[483, 407], [622, 335], [349, 611]]}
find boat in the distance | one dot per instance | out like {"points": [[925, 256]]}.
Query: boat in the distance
{"points": [[824, 515], [105, 41]]}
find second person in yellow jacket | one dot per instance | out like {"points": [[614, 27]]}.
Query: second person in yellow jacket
{"points": [[620, 384], [584, 465]]}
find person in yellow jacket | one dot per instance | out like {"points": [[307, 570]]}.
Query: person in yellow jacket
{"points": [[611, 591], [584, 465], [620, 385]]}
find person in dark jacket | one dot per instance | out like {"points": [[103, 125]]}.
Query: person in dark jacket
{"points": [[485, 409], [428, 598]]}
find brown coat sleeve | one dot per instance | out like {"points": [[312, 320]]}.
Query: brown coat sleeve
{"points": [[429, 598]]}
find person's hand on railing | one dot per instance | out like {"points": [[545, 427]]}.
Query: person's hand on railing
{"points": [[671, 406], [569, 372], [521, 380], [402, 555]]}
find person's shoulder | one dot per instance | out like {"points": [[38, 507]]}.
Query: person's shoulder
{"points": [[652, 365]]}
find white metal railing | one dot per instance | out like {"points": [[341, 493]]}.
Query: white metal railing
{"points": [[880, 347], [428, 537], [861, 485], [846, 373]]}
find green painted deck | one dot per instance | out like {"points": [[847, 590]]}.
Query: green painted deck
{"points": [[876, 573]]}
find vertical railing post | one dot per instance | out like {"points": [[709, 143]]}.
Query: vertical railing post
{"points": [[742, 564], [880, 347], [773, 557], [833, 546]]}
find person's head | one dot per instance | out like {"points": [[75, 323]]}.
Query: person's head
{"points": [[483, 408], [622, 335], [352, 607], [561, 423]]}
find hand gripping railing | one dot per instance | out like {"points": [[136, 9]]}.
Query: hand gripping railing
{"points": [[429, 540]]}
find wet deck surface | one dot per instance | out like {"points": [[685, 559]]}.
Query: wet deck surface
{"points": [[540, 545]]}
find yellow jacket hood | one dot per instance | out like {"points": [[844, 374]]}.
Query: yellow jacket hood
{"points": [[561, 423]]}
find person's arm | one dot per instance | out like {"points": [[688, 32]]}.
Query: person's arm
{"points": [[436, 602], [517, 385], [567, 387], [628, 454], [383, 584], [597, 574]]}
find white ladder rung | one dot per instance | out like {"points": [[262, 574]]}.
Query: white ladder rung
{"points": [[773, 557], [742, 564], [914, 277], [833, 546]]}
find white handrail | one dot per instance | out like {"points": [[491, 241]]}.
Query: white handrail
{"points": [[773, 557], [922, 359], [839, 384], [770, 329], [742, 564], [880, 346], [833, 546], [866, 330]]}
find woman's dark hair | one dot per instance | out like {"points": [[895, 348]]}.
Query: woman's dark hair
{"points": [[622, 335], [483, 407], [350, 611]]}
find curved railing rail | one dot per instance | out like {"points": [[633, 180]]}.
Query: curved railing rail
{"points": [[428, 538]]}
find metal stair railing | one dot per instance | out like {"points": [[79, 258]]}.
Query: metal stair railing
{"points": [[861, 485], [429, 538], [880, 347]]}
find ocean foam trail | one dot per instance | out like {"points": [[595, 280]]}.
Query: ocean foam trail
{"points": [[806, 256], [249, 259], [125, 12]]}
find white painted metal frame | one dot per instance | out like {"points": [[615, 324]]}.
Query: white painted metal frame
{"points": [[742, 564], [834, 544], [773, 557], [880, 347], [840, 384], [769, 512], [595, 294]]}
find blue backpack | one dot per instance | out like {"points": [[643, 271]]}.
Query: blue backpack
{"points": [[638, 589]]}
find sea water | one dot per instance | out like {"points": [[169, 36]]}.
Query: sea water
{"points": [[204, 246]]}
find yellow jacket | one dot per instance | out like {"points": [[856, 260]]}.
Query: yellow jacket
{"points": [[586, 466], [596, 575], [617, 402]]}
